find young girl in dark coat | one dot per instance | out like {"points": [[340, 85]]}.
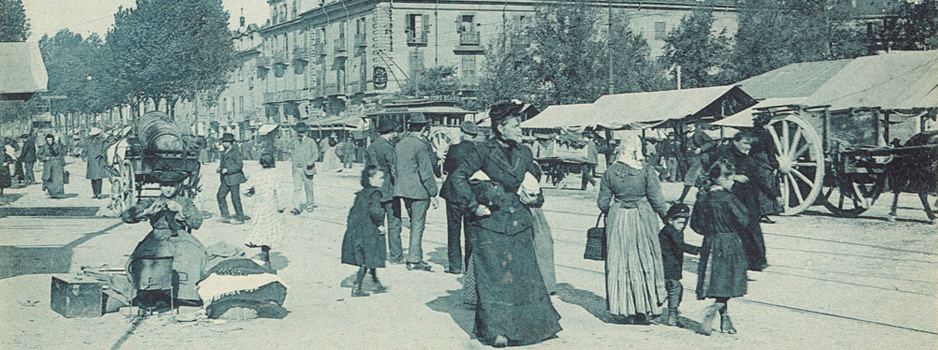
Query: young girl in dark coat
{"points": [[364, 243], [720, 217]]}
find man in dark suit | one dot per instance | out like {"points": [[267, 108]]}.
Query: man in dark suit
{"points": [[381, 154], [415, 184], [94, 153], [28, 158], [455, 215], [231, 176]]}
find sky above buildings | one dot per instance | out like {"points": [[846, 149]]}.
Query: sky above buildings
{"points": [[97, 16]]}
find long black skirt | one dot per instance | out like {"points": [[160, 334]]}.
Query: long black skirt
{"points": [[513, 299], [722, 269]]}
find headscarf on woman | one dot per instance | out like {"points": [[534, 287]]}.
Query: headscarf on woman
{"points": [[629, 152]]}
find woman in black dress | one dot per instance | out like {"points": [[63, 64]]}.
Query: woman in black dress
{"points": [[720, 217], [514, 306]]}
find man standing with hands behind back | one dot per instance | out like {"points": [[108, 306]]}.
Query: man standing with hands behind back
{"points": [[305, 153], [416, 185], [382, 155], [28, 157], [231, 176], [455, 215]]}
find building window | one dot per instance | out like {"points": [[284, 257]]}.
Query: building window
{"points": [[465, 23], [241, 105], [660, 31], [417, 28], [224, 105], [468, 66], [293, 13]]}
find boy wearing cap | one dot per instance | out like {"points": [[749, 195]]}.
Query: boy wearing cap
{"points": [[672, 256]]}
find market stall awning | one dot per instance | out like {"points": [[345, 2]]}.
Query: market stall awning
{"points": [[559, 116], [793, 80], [648, 109], [22, 71], [743, 119], [895, 80], [337, 123]]}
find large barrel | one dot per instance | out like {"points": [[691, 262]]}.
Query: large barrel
{"points": [[157, 132]]}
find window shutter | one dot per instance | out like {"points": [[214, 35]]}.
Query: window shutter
{"points": [[459, 23], [426, 26]]}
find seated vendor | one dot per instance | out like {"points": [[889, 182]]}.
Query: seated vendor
{"points": [[171, 217]]}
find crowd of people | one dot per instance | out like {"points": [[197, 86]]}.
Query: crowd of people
{"points": [[498, 236]]}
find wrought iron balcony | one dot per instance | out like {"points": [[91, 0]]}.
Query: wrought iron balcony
{"points": [[320, 48], [301, 53], [340, 46], [419, 38], [469, 38], [360, 40]]}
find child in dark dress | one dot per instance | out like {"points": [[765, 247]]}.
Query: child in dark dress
{"points": [[364, 244], [720, 217], [672, 256]]}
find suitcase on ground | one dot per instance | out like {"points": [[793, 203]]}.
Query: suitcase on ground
{"points": [[76, 296]]}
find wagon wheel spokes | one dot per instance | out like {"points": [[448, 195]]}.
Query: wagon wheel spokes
{"points": [[849, 196], [801, 162]]}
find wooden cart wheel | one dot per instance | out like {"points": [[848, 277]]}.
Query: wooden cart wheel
{"points": [[128, 186], [801, 162], [851, 194]]}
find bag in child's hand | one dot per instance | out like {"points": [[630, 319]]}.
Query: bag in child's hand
{"points": [[596, 242]]}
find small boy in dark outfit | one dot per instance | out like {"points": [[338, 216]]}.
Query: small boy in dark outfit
{"points": [[672, 256]]}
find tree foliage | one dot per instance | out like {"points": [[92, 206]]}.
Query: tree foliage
{"points": [[14, 26], [773, 33], [563, 58], [74, 67], [163, 50], [702, 54], [916, 27], [438, 82]]}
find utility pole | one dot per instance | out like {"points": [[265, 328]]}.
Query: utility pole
{"points": [[612, 83], [679, 77]]}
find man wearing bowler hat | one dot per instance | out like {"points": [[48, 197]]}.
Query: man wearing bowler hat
{"points": [[305, 153], [381, 154], [415, 184], [455, 216], [231, 176]]}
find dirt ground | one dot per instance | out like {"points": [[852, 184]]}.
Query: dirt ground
{"points": [[834, 283]]}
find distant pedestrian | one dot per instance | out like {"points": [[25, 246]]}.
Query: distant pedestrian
{"points": [[6, 161], [231, 176], [720, 217], [305, 152], [267, 229], [382, 155], [456, 217], [630, 195], [53, 168], [348, 152], [673, 248], [94, 154], [416, 185], [667, 149], [698, 147], [330, 159], [363, 244], [588, 169]]}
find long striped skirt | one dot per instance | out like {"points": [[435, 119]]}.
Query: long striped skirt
{"points": [[634, 272]]}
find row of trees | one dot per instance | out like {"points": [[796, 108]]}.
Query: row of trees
{"points": [[157, 52]]}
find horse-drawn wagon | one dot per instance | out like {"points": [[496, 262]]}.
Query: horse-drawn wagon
{"points": [[154, 149]]}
